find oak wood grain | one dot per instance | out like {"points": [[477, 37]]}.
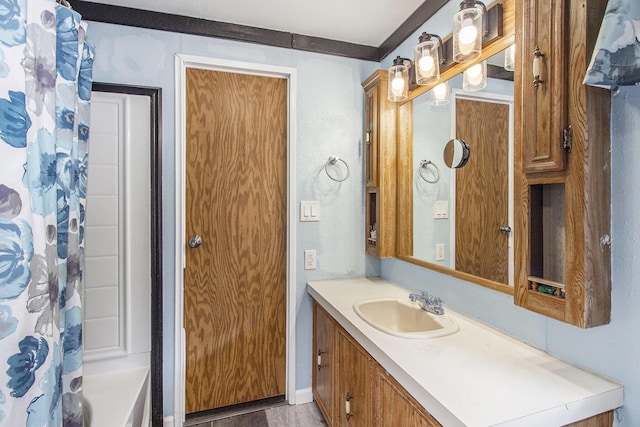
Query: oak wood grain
{"points": [[380, 159], [482, 190], [355, 380], [602, 420], [586, 181], [324, 362], [545, 27], [395, 407], [235, 283]]}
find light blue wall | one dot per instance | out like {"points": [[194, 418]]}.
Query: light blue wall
{"points": [[612, 350], [329, 121]]}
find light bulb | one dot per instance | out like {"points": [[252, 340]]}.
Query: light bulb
{"points": [[426, 64], [468, 32], [509, 57], [467, 36], [474, 74], [397, 85], [440, 91]]}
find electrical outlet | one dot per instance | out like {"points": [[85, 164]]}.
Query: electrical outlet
{"points": [[439, 251], [310, 259]]}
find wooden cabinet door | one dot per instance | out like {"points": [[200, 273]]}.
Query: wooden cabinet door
{"points": [[354, 398], [395, 407], [380, 167], [324, 359], [545, 111]]}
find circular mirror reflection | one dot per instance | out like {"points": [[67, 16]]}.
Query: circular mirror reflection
{"points": [[456, 153]]}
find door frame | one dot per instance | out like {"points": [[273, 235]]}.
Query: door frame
{"points": [[496, 99], [155, 157], [182, 62]]}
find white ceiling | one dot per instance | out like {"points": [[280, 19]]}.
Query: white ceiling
{"points": [[367, 22]]}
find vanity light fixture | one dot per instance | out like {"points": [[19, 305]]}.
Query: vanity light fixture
{"points": [[469, 28], [474, 78], [398, 85], [440, 94], [427, 58], [509, 57]]}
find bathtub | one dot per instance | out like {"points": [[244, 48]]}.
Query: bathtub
{"points": [[118, 399]]}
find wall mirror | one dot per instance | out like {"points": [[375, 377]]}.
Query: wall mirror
{"points": [[461, 223]]}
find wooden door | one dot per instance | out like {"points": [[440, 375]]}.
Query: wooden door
{"points": [[482, 190], [235, 281], [354, 384]]}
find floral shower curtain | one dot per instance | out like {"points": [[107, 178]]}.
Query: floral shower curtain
{"points": [[45, 87]]}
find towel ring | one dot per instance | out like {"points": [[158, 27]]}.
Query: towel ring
{"points": [[424, 164], [332, 161]]}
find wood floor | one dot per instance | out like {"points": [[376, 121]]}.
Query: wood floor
{"points": [[307, 415]]}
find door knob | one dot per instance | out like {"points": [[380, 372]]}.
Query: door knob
{"points": [[195, 241], [505, 229]]}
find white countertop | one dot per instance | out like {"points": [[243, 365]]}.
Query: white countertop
{"points": [[477, 377]]}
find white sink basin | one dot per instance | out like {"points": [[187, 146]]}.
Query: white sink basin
{"points": [[405, 319]]}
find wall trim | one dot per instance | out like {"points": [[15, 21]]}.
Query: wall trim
{"points": [[304, 395], [182, 62], [110, 14], [155, 99]]}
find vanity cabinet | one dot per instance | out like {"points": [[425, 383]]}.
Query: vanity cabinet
{"points": [[354, 397], [380, 167], [351, 388], [324, 369], [562, 165], [395, 406]]}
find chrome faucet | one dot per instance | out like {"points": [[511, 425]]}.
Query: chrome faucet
{"points": [[428, 302]]}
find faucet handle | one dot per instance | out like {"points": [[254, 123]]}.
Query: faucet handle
{"points": [[425, 293]]}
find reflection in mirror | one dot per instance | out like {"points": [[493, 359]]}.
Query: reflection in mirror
{"points": [[469, 211], [456, 153]]}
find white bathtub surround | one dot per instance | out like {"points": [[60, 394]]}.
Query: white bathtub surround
{"points": [[477, 376], [117, 313], [118, 398]]}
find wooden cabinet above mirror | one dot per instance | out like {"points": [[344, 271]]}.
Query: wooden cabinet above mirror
{"points": [[563, 213]]}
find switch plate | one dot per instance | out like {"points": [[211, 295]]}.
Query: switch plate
{"points": [[441, 209], [309, 211], [439, 251], [310, 259]]}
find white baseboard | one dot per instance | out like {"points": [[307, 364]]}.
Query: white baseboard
{"points": [[304, 396], [168, 421]]}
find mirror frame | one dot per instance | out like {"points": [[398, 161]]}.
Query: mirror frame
{"points": [[404, 138]]}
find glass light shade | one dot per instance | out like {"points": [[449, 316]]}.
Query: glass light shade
{"points": [[467, 34], [440, 94], [427, 62], [509, 57], [398, 85], [474, 78]]}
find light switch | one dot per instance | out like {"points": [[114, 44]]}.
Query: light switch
{"points": [[441, 209], [309, 211]]}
